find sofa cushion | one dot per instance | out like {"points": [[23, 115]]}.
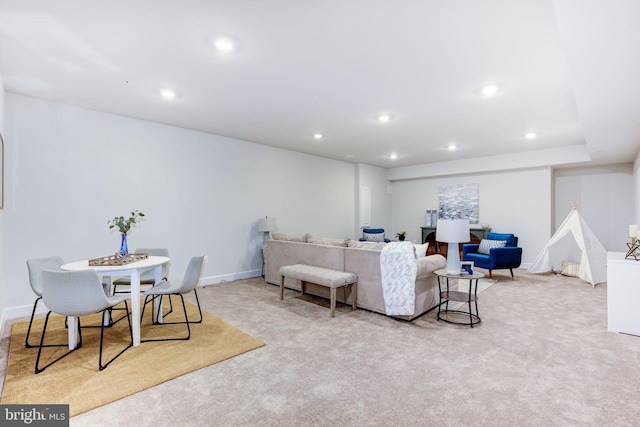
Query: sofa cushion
{"points": [[366, 245], [327, 241], [290, 237], [486, 245], [421, 250], [428, 264]]}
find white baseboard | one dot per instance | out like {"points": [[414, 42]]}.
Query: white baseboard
{"points": [[215, 280], [20, 312]]}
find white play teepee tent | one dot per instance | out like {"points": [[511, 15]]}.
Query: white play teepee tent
{"points": [[574, 242]]}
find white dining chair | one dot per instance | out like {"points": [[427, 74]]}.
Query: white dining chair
{"points": [[36, 266], [168, 288], [78, 293]]}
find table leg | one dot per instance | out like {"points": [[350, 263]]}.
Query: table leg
{"points": [[135, 306], [106, 316], [475, 294], [470, 310], [440, 298], [157, 272], [72, 326]]}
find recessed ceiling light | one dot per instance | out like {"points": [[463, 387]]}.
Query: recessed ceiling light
{"points": [[383, 118], [393, 156], [318, 136], [224, 45], [489, 90], [166, 93], [452, 147], [530, 135]]}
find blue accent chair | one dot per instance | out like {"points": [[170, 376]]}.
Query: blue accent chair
{"points": [[509, 256], [369, 233]]}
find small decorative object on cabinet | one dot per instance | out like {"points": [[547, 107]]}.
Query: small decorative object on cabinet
{"points": [[401, 235], [634, 246]]}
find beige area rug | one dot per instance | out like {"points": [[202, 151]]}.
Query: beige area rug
{"points": [[76, 380]]}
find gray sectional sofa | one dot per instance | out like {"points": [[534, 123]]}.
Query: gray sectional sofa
{"points": [[362, 258]]}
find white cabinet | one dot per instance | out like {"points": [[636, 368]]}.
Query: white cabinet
{"points": [[623, 294]]}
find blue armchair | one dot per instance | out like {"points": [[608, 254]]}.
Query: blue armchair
{"points": [[492, 255], [373, 235]]}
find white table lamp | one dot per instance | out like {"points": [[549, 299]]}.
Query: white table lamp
{"points": [[452, 232], [266, 225]]}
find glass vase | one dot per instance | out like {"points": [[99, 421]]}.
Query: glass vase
{"points": [[124, 250]]}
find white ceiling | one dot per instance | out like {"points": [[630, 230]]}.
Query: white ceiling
{"points": [[566, 69]]}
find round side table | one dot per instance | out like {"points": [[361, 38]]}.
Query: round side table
{"points": [[470, 298]]}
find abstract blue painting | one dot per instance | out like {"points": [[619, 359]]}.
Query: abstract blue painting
{"points": [[459, 201]]}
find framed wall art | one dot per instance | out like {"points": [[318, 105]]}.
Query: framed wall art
{"points": [[459, 201]]}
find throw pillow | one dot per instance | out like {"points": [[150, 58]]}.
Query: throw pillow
{"points": [[421, 250], [486, 245], [327, 241], [290, 237], [570, 268], [374, 237]]}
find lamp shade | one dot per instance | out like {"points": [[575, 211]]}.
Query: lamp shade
{"points": [[453, 230], [266, 225]]}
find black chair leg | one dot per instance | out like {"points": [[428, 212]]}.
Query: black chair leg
{"points": [[186, 322], [199, 309], [100, 365], [152, 299], [39, 369], [511, 270], [33, 313], [153, 304], [171, 310]]}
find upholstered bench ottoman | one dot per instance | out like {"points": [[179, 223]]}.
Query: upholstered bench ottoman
{"points": [[321, 276]]}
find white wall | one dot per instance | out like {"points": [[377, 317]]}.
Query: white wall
{"points": [[375, 178], [516, 202], [607, 201], [69, 170], [2, 263], [636, 188]]}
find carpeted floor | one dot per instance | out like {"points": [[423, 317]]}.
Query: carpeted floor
{"points": [[542, 356]]}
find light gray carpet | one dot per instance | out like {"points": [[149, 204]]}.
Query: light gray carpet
{"points": [[542, 356]]}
